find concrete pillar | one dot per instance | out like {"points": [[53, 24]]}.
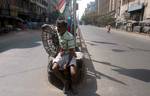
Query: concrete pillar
{"points": [[98, 6], [110, 5], [147, 9]]}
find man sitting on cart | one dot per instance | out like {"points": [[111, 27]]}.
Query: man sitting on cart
{"points": [[66, 58]]}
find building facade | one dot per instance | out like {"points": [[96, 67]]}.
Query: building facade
{"points": [[25, 9], [5, 7], [114, 7], [137, 10], [14, 11], [38, 8], [123, 10], [102, 7], [108, 7]]}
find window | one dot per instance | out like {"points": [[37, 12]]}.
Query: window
{"points": [[126, 1]]}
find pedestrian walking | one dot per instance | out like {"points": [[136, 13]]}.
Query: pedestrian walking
{"points": [[108, 28]]}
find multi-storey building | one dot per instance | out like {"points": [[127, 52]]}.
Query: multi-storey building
{"points": [[124, 9], [25, 9], [137, 10], [105, 7], [38, 8], [114, 7], [12, 11], [4, 7], [102, 7]]}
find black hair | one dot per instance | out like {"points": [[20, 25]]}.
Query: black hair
{"points": [[61, 21]]}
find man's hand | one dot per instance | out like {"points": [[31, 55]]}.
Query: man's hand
{"points": [[62, 53], [72, 52]]}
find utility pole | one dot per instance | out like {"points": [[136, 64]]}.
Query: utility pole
{"points": [[74, 18], [128, 6]]}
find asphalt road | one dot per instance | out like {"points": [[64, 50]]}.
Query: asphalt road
{"points": [[117, 63], [23, 66]]}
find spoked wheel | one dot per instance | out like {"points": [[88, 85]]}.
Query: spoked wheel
{"points": [[51, 45], [50, 39]]}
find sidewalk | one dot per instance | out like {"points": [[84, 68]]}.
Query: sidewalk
{"points": [[134, 34]]}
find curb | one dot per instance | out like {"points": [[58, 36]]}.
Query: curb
{"points": [[134, 34]]}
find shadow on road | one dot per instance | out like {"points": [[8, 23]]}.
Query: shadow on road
{"points": [[130, 49], [26, 40], [106, 63], [95, 43], [109, 43], [119, 50], [138, 49], [88, 87], [92, 44], [140, 74], [106, 76]]}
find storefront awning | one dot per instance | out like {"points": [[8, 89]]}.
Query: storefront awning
{"points": [[135, 7]]}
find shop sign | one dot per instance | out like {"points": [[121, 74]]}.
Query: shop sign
{"points": [[135, 6]]}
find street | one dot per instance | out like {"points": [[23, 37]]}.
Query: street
{"points": [[112, 42], [116, 64], [23, 66]]}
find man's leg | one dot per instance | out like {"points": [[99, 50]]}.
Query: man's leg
{"points": [[55, 68], [73, 71], [60, 76]]}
